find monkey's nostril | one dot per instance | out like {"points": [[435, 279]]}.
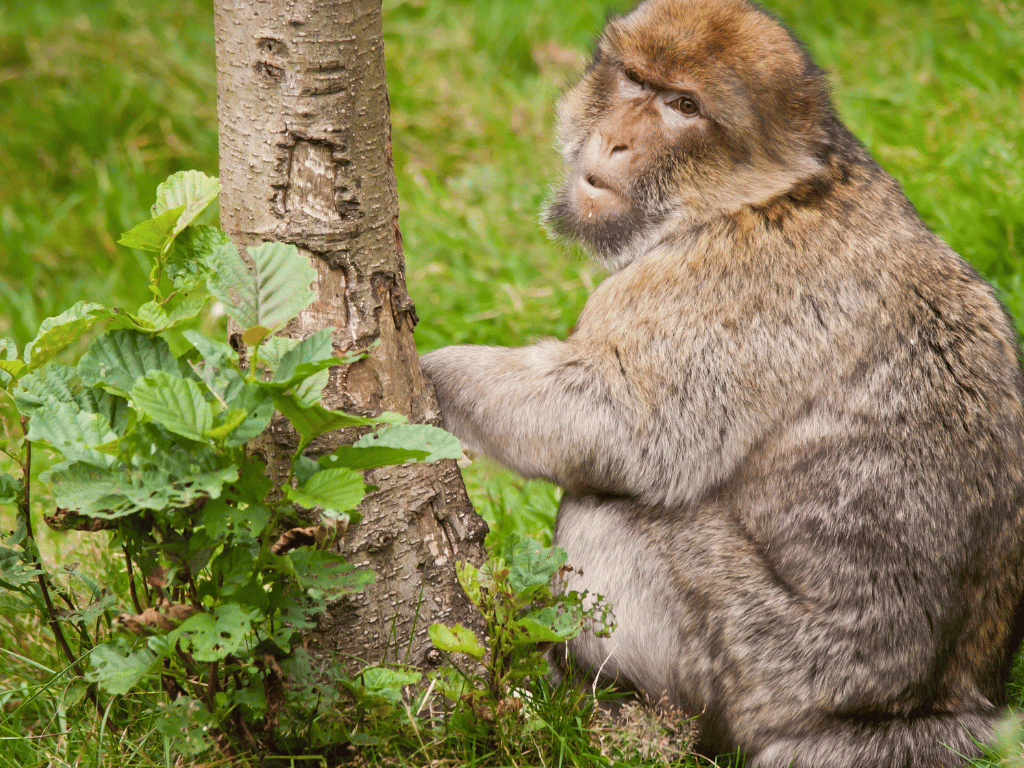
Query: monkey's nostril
{"points": [[619, 148]]}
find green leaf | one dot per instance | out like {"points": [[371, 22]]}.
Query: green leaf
{"points": [[11, 489], [153, 316], [152, 235], [370, 457], [221, 519], [457, 639], [316, 351], [119, 358], [74, 432], [388, 683], [311, 421], [186, 726], [229, 420], [117, 668], [189, 307], [258, 407], [469, 579], [328, 573], [185, 263], [433, 441], [274, 348], [176, 403], [10, 366], [192, 191], [118, 492], [212, 636], [270, 294], [335, 490], [531, 564], [58, 332], [528, 630]]}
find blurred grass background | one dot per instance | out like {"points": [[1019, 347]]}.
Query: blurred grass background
{"points": [[101, 99]]}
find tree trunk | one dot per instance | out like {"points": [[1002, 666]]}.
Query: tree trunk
{"points": [[305, 158]]}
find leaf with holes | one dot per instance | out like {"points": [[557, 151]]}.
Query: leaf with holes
{"points": [[212, 636], [328, 573], [455, 639], [117, 668], [65, 329]]}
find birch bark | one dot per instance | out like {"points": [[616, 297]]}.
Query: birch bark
{"points": [[305, 158]]}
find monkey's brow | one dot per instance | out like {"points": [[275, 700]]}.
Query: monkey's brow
{"points": [[642, 76]]}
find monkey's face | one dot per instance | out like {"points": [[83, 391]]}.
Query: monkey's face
{"points": [[690, 108]]}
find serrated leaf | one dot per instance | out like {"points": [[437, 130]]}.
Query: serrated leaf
{"points": [[153, 315], [527, 631], [191, 190], [230, 419], [317, 350], [311, 421], [337, 490], [73, 432], [456, 639], [221, 519], [176, 403], [118, 669], [10, 489], [270, 294], [56, 333], [388, 683], [370, 457], [274, 348], [152, 235], [185, 263], [258, 407], [212, 636], [531, 564], [189, 307], [187, 728], [119, 358], [117, 492], [327, 572], [10, 366], [434, 441]]}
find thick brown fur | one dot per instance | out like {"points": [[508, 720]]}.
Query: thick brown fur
{"points": [[789, 426]]}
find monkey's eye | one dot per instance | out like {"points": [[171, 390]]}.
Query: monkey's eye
{"points": [[633, 76], [685, 105]]}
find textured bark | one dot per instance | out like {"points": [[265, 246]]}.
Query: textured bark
{"points": [[305, 158]]}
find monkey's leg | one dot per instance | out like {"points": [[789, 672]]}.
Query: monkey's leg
{"points": [[705, 625], [936, 741]]}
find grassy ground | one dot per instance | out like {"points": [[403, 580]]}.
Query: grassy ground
{"points": [[102, 99]]}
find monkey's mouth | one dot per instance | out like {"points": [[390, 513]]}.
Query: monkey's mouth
{"points": [[595, 195], [598, 183]]}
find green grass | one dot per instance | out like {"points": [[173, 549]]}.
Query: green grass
{"points": [[102, 99]]}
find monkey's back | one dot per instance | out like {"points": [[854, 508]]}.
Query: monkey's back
{"points": [[861, 556]]}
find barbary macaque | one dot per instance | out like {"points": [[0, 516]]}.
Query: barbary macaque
{"points": [[789, 425]]}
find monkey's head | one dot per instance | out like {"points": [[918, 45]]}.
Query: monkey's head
{"points": [[689, 109]]}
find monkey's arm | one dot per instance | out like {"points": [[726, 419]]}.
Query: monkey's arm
{"points": [[567, 414]]}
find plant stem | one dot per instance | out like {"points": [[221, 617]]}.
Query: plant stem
{"points": [[33, 552], [131, 580]]}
